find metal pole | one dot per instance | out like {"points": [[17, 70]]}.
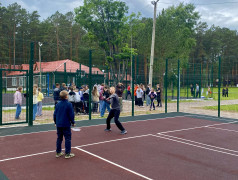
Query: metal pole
{"points": [[166, 86], [90, 82], [212, 80], [126, 83], [187, 79], [27, 97], [219, 87], [178, 87], [132, 91], [30, 123], [40, 44], [65, 74], [1, 97], [48, 84], [152, 44]]}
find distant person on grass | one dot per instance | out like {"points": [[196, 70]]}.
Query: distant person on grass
{"points": [[18, 102], [64, 118], [114, 112]]}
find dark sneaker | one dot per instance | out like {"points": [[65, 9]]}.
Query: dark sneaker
{"points": [[124, 132], [107, 130], [59, 154], [67, 156]]}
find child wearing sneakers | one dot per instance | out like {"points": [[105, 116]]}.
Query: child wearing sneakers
{"points": [[114, 112], [64, 118]]}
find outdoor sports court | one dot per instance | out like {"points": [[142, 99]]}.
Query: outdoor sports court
{"points": [[166, 146]]}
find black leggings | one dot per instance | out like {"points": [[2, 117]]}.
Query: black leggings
{"points": [[114, 113], [152, 103]]}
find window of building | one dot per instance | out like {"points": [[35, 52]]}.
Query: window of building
{"points": [[14, 81], [21, 81]]}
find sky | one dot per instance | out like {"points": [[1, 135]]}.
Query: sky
{"points": [[221, 13]]}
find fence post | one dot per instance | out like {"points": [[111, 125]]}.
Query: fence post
{"points": [[1, 97], [219, 87], [166, 86], [79, 80], [48, 84], [132, 91], [178, 87], [212, 80], [30, 122], [126, 83], [187, 80], [65, 75], [90, 82], [27, 97]]}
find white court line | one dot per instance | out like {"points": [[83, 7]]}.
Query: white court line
{"points": [[198, 127], [223, 129], [198, 143], [133, 172], [30, 155], [115, 140], [195, 145], [91, 126]]}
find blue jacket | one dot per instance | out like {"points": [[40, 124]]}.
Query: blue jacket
{"points": [[64, 114], [56, 94]]}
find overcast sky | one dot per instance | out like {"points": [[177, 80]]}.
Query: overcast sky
{"points": [[223, 13]]}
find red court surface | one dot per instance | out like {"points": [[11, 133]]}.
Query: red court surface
{"points": [[185, 148]]}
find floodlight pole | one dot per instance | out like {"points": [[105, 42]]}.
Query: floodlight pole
{"points": [[40, 44], [152, 43]]}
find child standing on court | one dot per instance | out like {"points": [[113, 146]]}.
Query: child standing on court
{"points": [[64, 118], [114, 112]]}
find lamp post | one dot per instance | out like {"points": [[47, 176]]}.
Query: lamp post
{"points": [[40, 44], [104, 76], [152, 43]]}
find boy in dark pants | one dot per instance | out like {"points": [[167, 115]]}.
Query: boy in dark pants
{"points": [[64, 118], [114, 112]]}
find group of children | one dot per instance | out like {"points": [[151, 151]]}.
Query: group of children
{"points": [[37, 101], [79, 98], [149, 94]]}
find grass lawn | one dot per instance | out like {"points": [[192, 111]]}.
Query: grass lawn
{"points": [[233, 93], [231, 108]]}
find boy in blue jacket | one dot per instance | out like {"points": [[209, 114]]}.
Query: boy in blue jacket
{"points": [[64, 118]]}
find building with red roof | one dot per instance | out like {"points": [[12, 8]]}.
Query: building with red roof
{"points": [[52, 72]]}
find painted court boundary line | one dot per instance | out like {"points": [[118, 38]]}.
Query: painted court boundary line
{"points": [[114, 164], [198, 127], [223, 129], [115, 140], [30, 155], [195, 145], [216, 147], [92, 126]]}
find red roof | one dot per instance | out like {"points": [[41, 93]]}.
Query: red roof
{"points": [[58, 66]]}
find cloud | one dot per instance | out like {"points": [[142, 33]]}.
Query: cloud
{"points": [[221, 13]]}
